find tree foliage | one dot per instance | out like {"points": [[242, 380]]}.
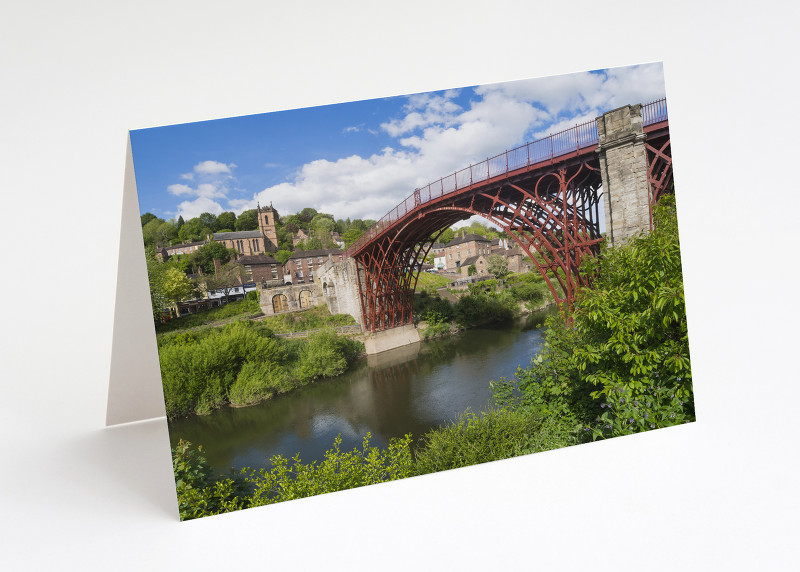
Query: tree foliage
{"points": [[248, 220], [497, 265], [623, 364]]}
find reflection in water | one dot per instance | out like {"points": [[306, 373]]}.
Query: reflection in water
{"points": [[408, 390]]}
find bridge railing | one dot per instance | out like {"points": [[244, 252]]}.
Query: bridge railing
{"points": [[654, 112], [538, 151]]}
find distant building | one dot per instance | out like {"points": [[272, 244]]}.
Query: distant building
{"points": [[301, 236], [261, 267], [165, 252], [248, 242], [302, 265], [480, 262], [464, 246]]}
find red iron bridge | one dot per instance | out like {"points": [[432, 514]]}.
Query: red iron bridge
{"points": [[545, 195]]}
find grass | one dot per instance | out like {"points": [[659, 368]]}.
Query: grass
{"points": [[428, 282], [240, 309], [311, 319]]}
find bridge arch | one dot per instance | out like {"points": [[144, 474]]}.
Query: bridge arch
{"points": [[545, 195]]}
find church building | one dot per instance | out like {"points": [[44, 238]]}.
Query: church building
{"points": [[248, 242]]}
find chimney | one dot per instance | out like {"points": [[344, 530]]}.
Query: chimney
{"points": [[217, 266]]}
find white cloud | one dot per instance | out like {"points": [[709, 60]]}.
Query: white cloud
{"points": [[213, 168], [435, 136], [191, 209]]}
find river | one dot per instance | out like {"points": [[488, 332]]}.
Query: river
{"points": [[408, 390]]}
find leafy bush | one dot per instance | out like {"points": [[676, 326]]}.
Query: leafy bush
{"points": [[198, 370], [325, 355], [623, 364], [258, 381], [497, 434], [339, 471]]}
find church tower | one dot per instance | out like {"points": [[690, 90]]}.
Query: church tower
{"points": [[266, 224]]}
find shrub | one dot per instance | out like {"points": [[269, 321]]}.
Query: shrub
{"points": [[623, 365], [325, 355], [497, 434], [257, 382]]}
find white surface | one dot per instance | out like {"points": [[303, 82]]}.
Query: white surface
{"points": [[719, 494]]}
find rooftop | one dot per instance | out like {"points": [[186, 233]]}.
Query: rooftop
{"points": [[238, 234]]}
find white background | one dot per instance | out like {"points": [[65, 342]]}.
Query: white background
{"points": [[719, 494]]}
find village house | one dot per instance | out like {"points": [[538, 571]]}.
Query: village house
{"points": [[165, 252], [517, 260], [261, 267], [481, 265], [248, 242], [462, 247], [303, 263], [301, 236]]}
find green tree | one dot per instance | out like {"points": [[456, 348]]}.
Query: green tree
{"points": [[622, 366], [497, 265], [203, 257], [209, 220], [351, 236], [147, 217], [194, 230], [472, 270], [228, 277], [226, 219], [447, 236], [248, 220], [176, 286], [282, 256], [307, 215]]}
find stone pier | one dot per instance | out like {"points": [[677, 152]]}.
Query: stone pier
{"points": [[623, 167]]}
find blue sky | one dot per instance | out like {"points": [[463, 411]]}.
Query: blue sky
{"points": [[360, 159]]}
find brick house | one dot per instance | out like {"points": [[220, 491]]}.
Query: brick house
{"points": [[302, 265], [261, 267], [165, 252], [462, 247], [248, 242]]}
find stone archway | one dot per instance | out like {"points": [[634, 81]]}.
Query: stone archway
{"points": [[280, 303], [306, 300]]}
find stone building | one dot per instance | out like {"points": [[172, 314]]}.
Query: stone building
{"points": [[517, 260], [248, 242], [462, 247], [480, 262], [289, 298], [303, 264], [301, 236]]}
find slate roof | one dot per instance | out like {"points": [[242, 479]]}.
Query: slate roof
{"points": [[471, 260], [185, 244], [238, 234], [469, 238], [313, 253], [251, 259]]}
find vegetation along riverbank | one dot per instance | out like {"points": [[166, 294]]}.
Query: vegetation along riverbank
{"points": [[620, 366]]}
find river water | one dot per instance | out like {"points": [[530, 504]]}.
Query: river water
{"points": [[408, 390]]}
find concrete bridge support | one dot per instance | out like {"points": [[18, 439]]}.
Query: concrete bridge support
{"points": [[623, 167]]}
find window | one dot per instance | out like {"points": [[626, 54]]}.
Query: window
{"points": [[274, 272]]}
